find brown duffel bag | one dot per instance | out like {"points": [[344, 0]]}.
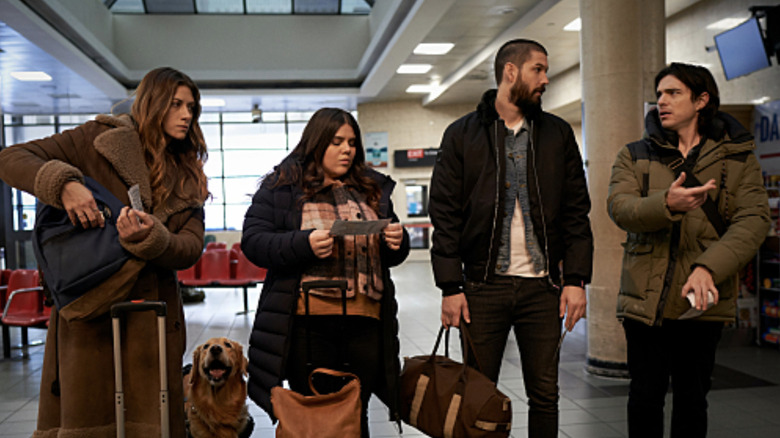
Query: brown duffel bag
{"points": [[447, 399]]}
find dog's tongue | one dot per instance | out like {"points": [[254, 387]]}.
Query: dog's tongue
{"points": [[217, 374]]}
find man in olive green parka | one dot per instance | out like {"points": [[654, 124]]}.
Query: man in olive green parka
{"points": [[692, 159]]}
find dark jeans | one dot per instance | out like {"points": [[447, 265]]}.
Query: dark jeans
{"points": [[683, 351], [335, 340], [530, 307]]}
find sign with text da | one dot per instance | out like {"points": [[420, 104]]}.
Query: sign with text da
{"points": [[766, 129]]}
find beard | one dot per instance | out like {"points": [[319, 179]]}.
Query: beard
{"points": [[524, 99]]}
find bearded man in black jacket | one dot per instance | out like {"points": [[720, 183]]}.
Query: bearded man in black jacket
{"points": [[512, 244]]}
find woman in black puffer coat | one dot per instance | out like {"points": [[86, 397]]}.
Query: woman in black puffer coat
{"points": [[286, 230]]}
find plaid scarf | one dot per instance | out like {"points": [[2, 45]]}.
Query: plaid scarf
{"points": [[355, 257]]}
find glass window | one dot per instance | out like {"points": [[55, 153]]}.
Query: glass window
{"points": [[213, 166], [208, 118], [240, 190], [240, 153], [254, 136], [211, 136], [273, 117], [234, 216], [237, 117], [23, 134], [215, 216], [294, 133]]}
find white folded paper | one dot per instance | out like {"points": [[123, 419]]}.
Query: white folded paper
{"points": [[693, 312]]}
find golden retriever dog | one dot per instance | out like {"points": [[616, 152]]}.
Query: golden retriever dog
{"points": [[215, 391]]}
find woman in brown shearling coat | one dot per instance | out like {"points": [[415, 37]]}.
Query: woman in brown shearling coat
{"points": [[161, 148]]}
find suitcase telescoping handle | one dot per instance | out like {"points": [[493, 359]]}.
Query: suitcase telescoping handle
{"points": [[323, 284], [161, 310]]}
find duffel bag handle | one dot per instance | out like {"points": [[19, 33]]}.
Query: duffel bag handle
{"points": [[329, 372], [469, 345]]}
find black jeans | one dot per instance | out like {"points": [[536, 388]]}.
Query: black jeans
{"points": [[683, 351], [530, 307], [335, 340]]}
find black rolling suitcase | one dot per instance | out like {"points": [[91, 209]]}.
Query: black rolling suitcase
{"points": [[117, 310]]}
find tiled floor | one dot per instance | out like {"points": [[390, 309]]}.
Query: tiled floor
{"points": [[745, 401]]}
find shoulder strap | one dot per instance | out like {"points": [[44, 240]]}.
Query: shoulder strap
{"points": [[640, 150], [709, 207]]}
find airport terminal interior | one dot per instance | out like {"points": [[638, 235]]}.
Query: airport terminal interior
{"points": [[406, 69]]}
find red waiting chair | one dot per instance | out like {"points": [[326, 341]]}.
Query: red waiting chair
{"points": [[214, 268], [5, 274], [24, 307], [216, 245], [189, 274], [246, 274]]}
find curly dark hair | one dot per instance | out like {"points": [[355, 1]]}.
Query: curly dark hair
{"points": [[303, 166]]}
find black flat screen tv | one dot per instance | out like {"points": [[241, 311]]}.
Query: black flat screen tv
{"points": [[742, 50]]}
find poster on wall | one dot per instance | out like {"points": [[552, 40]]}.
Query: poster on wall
{"points": [[376, 149], [766, 130]]}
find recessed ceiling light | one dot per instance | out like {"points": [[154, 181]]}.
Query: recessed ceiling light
{"points": [[761, 100], [209, 102], [414, 69], [31, 76], [574, 26], [726, 23], [433, 48], [420, 88]]}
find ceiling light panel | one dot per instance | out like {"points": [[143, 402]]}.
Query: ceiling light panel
{"points": [[574, 26], [220, 6], [420, 89], [414, 69], [31, 76], [726, 23], [433, 48], [269, 6]]}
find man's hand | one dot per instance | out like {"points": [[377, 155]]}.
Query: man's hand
{"points": [[682, 199], [80, 205], [700, 282], [573, 301], [321, 243], [453, 307]]}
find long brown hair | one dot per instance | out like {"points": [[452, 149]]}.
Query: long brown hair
{"points": [[173, 164], [303, 167]]}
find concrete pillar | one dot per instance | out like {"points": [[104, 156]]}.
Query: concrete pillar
{"points": [[622, 46]]}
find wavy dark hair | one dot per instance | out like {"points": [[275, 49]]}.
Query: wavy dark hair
{"points": [[699, 80], [517, 52], [303, 166], [173, 164]]}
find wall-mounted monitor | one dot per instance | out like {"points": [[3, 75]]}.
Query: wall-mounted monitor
{"points": [[742, 49], [416, 200]]}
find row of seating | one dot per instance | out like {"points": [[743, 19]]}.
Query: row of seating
{"points": [[23, 304], [220, 267]]}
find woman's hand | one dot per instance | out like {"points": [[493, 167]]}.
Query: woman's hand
{"points": [[80, 205], [133, 225], [394, 235], [321, 243]]}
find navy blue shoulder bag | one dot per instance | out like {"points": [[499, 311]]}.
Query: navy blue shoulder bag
{"points": [[73, 259]]}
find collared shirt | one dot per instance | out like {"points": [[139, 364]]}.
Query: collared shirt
{"points": [[519, 253]]}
